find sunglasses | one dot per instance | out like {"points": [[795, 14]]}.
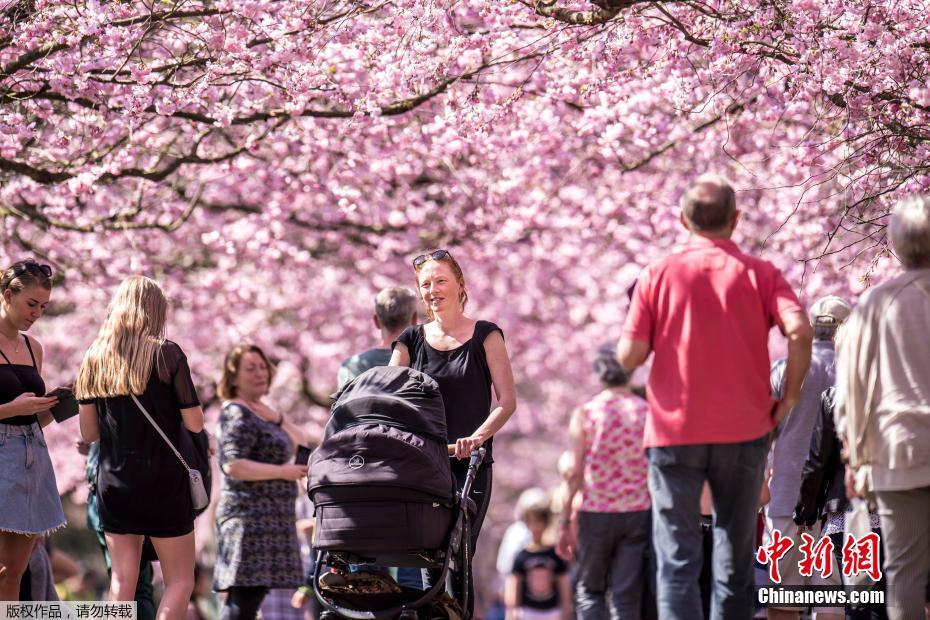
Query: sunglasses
{"points": [[30, 265], [437, 255]]}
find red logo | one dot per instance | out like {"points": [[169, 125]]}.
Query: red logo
{"points": [[817, 555], [862, 556], [859, 556], [770, 554]]}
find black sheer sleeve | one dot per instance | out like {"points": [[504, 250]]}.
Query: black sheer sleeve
{"points": [[178, 375]]}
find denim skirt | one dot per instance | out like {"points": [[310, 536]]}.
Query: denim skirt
{"points": [[29, 500]]}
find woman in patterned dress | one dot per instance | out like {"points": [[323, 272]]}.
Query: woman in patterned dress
{"points": [[613, 523], [257, 546]]}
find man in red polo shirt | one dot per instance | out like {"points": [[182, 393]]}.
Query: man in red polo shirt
{"points": [[706, 313]]}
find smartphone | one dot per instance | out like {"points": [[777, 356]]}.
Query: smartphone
{"points": [[303, 455], [61, 393]]}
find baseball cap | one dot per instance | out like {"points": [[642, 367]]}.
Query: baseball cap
{"points": [[829, 310]]}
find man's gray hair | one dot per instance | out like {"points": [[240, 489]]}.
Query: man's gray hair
{"points": [[910, 231], [395, 306], [708, 203]]}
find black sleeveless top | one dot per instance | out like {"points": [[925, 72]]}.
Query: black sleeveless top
{"points": [[463, 376], [142, 488], [16, 379]]}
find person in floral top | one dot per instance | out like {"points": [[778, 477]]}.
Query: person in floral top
{"points": [[613, 522]]}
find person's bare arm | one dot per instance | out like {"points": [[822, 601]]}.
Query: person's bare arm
{"points": [[632, 353], [249, 470], [565, 545], [192, 417], [299, 434], [565, 596], [800, 337], [512, 596], [63, 565], [90, 427], [765, 494], [502, 379], [26, 403], [305, 528]]}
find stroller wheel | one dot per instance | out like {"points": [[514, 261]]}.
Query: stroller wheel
{"points": [[330, 615]]}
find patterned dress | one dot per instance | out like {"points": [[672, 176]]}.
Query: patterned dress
{"points": [[255, 520], [615, 466]]}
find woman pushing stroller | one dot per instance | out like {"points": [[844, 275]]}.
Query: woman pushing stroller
{"points": [[466, 357]]}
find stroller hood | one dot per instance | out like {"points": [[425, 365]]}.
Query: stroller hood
{"points": [[383, 463], [394, 396]]}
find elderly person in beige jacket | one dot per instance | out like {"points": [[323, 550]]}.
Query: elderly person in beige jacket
{"points": [[883, 407]]}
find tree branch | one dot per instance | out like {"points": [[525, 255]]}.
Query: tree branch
{"points": [[39, 175], [593, 17], [30, 57], [731, 109]]}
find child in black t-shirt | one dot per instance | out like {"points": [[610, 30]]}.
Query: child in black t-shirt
{"points": [[538, 588]]}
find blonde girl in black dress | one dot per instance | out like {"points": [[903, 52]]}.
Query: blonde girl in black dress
{"points": [[142, 488]]}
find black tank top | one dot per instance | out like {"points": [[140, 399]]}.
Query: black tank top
{"points": [[463, 376], [16, 379]]}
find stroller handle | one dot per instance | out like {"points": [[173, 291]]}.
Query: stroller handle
{"points": [[479, 451]]}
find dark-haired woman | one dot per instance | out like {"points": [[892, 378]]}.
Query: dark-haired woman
{"points": [[29, 503], [467, 358], [257, 546]]}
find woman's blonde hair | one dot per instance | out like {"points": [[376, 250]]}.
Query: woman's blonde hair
{"points": [[120, 360], [226, 388]]}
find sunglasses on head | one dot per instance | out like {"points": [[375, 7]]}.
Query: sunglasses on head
{"points": [[437, 255], [30, 265]]}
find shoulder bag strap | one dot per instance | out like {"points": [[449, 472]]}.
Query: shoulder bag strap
{"points": [[160, 432]]}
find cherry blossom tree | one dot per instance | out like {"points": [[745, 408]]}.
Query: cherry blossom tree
{"points": [[274, 163]]}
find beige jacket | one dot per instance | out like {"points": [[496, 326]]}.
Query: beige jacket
{"points": [[883, 385]]}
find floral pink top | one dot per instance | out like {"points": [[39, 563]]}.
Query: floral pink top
{"points": [[615, 466]]}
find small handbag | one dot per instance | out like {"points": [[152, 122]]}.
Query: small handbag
{"points": [[199, 494]]}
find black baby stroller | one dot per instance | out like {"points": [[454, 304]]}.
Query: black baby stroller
{"points": [[384, 494]]}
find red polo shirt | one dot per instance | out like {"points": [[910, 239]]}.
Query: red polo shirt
{"points": [[706, 312]]}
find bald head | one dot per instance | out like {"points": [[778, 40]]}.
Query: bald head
{"points": [[708, 204]]}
